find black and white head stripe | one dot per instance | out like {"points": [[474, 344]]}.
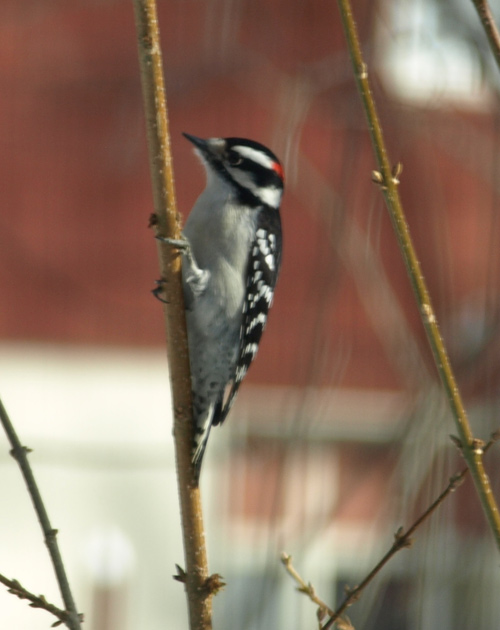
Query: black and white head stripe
{"points": [[255, 169], [262, 274], [257, 154], [269, 194], [250, 167]]}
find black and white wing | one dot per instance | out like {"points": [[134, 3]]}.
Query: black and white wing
{"points": [[262, 273]]}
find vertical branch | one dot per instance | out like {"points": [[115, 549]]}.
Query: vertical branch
{"points": [[489, 26], [471, 447], [19, 452], [167, 224]]}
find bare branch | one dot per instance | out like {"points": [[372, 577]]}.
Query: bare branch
{"points": [[20, 454], [403, 539], [490, 28], [38, 601], [387, 180], [307, 589], [199, 587], [343, 623]]}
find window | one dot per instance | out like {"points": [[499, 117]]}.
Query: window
{"points": [[429, 53]]}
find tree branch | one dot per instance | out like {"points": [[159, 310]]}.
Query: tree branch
{"points": [[388, 182], [166, 222], [403, 540], [490, 28], [306, 588], [38, 601], [19, 452]]}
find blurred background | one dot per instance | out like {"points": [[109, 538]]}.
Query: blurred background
{"points": [[341, 433]]}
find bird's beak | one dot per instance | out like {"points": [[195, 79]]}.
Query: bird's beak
{"points": [[208, 149], [199, 143]]}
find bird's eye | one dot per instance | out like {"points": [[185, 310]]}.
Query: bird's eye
{"points": [[234, 158]]}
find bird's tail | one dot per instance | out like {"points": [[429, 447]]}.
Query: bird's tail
{"points": [[203, 421], [200, 444]]}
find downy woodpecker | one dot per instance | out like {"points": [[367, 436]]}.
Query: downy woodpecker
{"points": [[231, 250]]}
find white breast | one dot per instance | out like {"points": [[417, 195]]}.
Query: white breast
{"points": [[221, 233]]}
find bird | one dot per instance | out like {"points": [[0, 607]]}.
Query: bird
{"points": [[231, 250]]}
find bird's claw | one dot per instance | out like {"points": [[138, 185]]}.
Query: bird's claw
{"points": [[180, 243], [158, 290]]}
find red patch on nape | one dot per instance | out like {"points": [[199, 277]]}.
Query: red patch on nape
{"points": [[277, 168]]}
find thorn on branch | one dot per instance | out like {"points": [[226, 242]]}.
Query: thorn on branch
{"points": [[15, 454], [181, 575], [213, 584], [478, 446], [399, 533], [17, 589], [352, 595], [377, 178], [456, 481], [402, 540], [397, 169], [456, 441], [52, 535], [321, 613], [308, 589]]}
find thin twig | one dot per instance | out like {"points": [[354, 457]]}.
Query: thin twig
{"points": [[387, 178], [343, 623], [19, 453], [403, 540], [490, 28], [306, 588], [199, 587], [37, 601]]}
